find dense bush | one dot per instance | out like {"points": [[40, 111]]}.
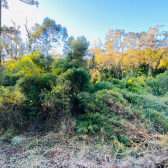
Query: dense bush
{"points": [[94, 122], [146, 101], [100, 101], [32, 86], [113, 81], [23, 67], [42, 63], [12, 104], [101, 113], [79, 79], [158, 84], [60, 66], [57, 93], [135, 85], [56, 103], [159, 119], [62, 99], [8, 79], [103, 85], [143, 69]]}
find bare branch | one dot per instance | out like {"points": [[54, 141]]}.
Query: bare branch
{"points": [[30, 2]]}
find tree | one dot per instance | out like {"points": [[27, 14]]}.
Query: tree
{"points": [[4, 3], [33, 34], [156, 45], [77, 49], [135, 50], [49, 35], [97, 61], [12, 44], [148, 47], [116, 46]]}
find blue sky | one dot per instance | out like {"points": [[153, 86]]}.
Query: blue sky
{"points": [[91, 18]]}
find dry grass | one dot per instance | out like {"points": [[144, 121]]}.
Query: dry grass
{"points": [[56, 150]]}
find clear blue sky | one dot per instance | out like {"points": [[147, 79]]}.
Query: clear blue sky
{"points": [[91, 18]]}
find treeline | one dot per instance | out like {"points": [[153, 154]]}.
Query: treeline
{"points": [[144, 52]]}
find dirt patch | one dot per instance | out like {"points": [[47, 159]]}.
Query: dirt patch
{"points": [[9, 151]]}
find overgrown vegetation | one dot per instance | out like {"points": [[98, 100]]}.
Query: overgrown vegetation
{"points": [[119, 103]]}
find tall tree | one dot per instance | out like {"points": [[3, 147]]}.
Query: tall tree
{"points": [[97, 61], [77, 49], [32, 34], [51, 35], [96, 52], [148, 47], [156, 46], [12, 44], [116, 46], [135, 50], [4, 3]]}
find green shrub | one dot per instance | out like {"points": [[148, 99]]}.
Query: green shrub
{"points": [[113, 81], [11, 107], [143, 69], [42, 63], [159, 119], [154, 85], [145, 101], [62, 100], [159, 84], [79, 79], [100, 101], [104, 97], [99, 117], [60, 66], [85, 100], [124, 140], [162, 80], [9, 79], [94, 122], [103, 85], [57, 101], [135, 85], [131, 75], [32, 86]]}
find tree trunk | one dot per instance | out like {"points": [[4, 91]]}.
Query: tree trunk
{"points": [[29, 47], [158, 63], [109, 68], [150, 69], [0, 34], [122, 71], [161, 56]]}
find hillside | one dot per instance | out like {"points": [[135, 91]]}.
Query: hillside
{"points": [[100, 106], [54, 115]]}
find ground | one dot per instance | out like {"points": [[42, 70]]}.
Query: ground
{"points": [[56, 150]]}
